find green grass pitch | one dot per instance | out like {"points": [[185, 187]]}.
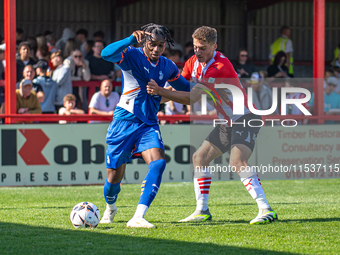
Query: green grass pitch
{"points": [[35, 220]]}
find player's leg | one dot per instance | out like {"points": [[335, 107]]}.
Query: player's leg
{"points": [[151, 147], [111, 191], [156, 163], [239, 156], [202, 180], [120, 141], [242, 145]]}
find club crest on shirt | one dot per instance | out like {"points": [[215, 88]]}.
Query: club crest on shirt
{"points": [[211, 80], [161, 75]]}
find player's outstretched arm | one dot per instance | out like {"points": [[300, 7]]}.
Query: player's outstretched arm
{"points": [[113, 50], [181, 97]]}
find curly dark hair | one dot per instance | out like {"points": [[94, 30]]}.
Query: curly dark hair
{"points": [[158, 30]]}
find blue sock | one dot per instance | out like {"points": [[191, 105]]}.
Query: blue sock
{"points": [[152, 182], [111, 192]]}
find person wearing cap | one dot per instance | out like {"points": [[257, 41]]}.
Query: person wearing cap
{"points": [[49, 86], [27, 101], [29, 74], [262, 95], [62, 76], [331, 98]]}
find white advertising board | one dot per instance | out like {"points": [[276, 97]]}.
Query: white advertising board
{"points": [[74, 154]]}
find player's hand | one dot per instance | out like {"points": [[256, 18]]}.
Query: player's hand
{"points": [[140, 35], [152, 87]]}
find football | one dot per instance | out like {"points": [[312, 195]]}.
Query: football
{"points": [[85, 215]]}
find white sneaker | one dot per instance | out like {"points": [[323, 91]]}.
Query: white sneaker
{"points": [[109, 214], [139, 223]]}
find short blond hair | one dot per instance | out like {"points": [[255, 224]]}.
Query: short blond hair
{"points": [[69, 97], [58, 53], [205, 34]]}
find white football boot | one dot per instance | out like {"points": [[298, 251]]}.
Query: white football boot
{"points": [[137, 222], [109, 214]]}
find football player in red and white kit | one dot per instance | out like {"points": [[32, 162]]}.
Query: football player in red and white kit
{"points": [[208, 67]]}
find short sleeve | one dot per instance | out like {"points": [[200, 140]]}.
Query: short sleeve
{"points": [[94, 101], [62, 110], [289, 46]]}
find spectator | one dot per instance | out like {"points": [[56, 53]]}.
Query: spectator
{"points": [[70, 46], [80, 70], [104, 101], [88, 47], [62, 76], [24, 59], [29, 74], [69, 108], [285, 44], [27, 101], [175, 56], [100, 69], [49, 86], [278, 69], [67, 34], [79, 66], [34, 46], [81, 37], [262, 95], [331, 99], [98, 36], [43, 53], [51, 41], [243, 66]]}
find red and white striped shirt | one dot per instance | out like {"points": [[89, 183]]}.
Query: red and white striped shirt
{"points": [[218, 70]]}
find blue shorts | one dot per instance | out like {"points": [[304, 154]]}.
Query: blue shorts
{"points": [[127, 139]]}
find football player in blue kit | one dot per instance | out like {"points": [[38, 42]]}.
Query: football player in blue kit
{"points": [[134, 130]]}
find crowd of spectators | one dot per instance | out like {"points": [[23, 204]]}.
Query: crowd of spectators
{"points": [[46, 68]]}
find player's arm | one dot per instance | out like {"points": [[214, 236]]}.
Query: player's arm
{"points": [[164, 99], [112, 52], [181, 97], [93, 110]]}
